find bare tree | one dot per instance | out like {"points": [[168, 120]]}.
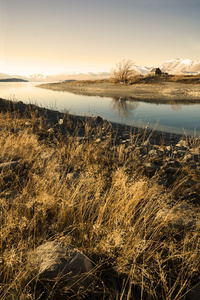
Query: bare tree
{"points": [[123, 71]]}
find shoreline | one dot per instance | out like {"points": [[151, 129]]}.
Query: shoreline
{"points": [[53, 116], [162, 92]]}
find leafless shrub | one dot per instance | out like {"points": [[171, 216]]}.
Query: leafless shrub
{"points": [[123, 71]]}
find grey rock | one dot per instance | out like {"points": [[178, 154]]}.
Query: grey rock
{"points": [[98, 119], [151, 166], [182, 144], [63, 265]]}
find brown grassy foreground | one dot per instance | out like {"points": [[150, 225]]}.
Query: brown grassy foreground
{"points": [[111, 210]]}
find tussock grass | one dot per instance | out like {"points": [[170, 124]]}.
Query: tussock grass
{"points": [[96, 197], [144, 79], [156, 79]]}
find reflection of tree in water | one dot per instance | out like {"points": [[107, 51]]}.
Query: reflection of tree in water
{"points": [[124, 106], [176, 106]]}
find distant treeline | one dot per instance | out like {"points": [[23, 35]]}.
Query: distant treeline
{"points": [[13, 80]]}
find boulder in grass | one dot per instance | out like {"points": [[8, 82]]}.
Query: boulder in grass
{"points": [[63, 267], [97, 119]]}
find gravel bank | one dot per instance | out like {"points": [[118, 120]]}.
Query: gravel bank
{"points": [[162, 92]]}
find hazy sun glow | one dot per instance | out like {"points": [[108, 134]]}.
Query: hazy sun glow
{"points": [[52, 37]]}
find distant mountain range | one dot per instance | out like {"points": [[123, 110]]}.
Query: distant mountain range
{"points": [[178, 66], [56, 78], [181, 66]]}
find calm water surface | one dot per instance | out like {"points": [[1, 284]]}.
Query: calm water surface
{"points": [[172, 118]]}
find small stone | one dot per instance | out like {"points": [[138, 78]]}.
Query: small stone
{"points": [[168, 148], [151, 166], [60, 122], [182, 144], [51, 130], [123, 142], [27, 123], [98, 141], [98, 119]]}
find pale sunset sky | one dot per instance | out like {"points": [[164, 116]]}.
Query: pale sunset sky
{"points": [[66, 36]]}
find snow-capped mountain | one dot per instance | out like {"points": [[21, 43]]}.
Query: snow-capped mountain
{"points": [[59, 77], [181, 66], [143, 70]]}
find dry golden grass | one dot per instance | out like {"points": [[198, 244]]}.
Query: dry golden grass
{"points": [[111, 211], [155, 79]]}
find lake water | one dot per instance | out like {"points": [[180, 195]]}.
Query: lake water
{"points": [[171, 118]]}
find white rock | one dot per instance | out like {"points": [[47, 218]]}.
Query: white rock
{"points": [[55, 261], [151, 166], [60, 122], [182, 143]]}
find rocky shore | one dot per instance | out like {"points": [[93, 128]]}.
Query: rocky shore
{"points": [[159, 152]]}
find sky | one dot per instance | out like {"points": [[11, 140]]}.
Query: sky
{"points": [[72, 36]]}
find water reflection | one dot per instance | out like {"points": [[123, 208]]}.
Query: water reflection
{"points": [[123, 106], [172, 117], [176, 106]]}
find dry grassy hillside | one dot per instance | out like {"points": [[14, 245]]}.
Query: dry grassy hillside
{"points": [[149, 79], [88, 184]]}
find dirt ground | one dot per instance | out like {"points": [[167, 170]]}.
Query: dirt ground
{"points": [[161, 92]]}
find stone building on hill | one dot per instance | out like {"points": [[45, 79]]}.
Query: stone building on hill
{"points": [[156, 71]]}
